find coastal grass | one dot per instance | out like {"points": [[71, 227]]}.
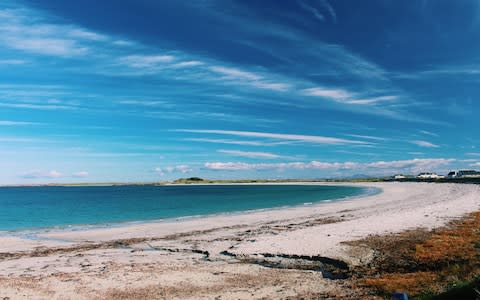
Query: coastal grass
{"points": [[425, 264]]}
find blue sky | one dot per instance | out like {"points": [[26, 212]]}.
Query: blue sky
{"points": [[143, 90]]}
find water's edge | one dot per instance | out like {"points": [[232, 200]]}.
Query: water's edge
{"points": [[32, 233]]}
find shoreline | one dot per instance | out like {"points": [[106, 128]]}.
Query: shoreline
{"points": [[209, 254], [35, 231]]}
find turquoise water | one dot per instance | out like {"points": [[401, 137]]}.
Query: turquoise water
{"points": [[38, 207]]}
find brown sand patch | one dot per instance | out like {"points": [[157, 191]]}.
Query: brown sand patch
{"points": [[422, 262]]}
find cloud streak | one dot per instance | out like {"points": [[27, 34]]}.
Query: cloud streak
{"points": [[235, 142], [425, 144], [346, 97], [279, 136], [184, 169], [250, 154], [36, 174], [413, 165], [17, 123]]}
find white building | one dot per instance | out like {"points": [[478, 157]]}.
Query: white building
{"points": [[429, 176], [468, 174]]}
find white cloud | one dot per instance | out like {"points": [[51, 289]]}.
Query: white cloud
{"points": [[330, 10], [335, 94], [368, 137], [473, 154], [187, 64], [81, 174], [88, 35], [36, 174], [250, 154], [274, 86], [312, 10], [236, 142], [146, 61], [416, 164], [344, 96], [54, 174], [123, 43], [159, 171], [280, 136], [173, 169], [183, 169], [237, 76], [240, 166], [229, 166], [373, 100], [47, 46], [413, 165], [425, 144], [143, 102], [29, 30], [12, 62], [17, 123], [37, 106], [234, 73], [428, 133]]}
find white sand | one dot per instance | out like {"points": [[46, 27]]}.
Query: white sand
{"points": [[300, 230]]}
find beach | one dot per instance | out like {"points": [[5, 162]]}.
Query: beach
{"points": [[279, 253]]}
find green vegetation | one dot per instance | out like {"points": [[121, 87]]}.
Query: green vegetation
{"points": [[193, 180]]}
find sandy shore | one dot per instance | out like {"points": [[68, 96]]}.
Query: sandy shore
{"points": [[277, 253]]}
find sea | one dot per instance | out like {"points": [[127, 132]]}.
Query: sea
{"points": [[24, 208]]}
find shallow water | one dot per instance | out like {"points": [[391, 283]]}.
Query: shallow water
{"points": [[39, 207]]}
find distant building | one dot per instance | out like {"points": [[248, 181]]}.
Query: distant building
{"points": [[468, 174], [426, 175], [399, 176]]}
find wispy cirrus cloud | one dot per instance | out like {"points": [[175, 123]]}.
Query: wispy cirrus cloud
{"points": [[279, 136], [146, 61], [38, 106], [27, 31], [314, 11], [49, 46], [151, 103], [250, 154], [335, 94], [346, 97], [425, 144], [237, 76], [10, 62], [233, 73], [428, 133], [31, 31], [17, 123], [187, 64], [368, 137], [236, 142]]}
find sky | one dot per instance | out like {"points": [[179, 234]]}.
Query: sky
{"points": [[144, 90]]}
